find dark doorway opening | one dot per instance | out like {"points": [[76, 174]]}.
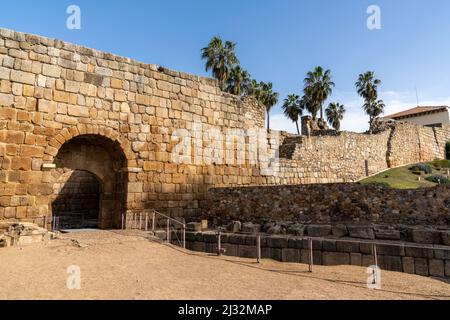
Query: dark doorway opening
{"points": [[77, 205]]}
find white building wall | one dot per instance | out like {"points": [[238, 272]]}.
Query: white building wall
{"points": [[429, 119]]}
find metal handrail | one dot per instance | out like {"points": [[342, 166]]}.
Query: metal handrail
{"points": [[154, 221], [171, 219]]}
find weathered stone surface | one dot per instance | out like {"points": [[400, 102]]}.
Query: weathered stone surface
{"points": [[290, 255], [247, 251], [295, 243], [387, 234], [419, 252], [355, 259], [329, 245], [335, 258], [425, 236], [318, 230], [237, 239], [347, 246], [194, 226], [391, 249], [361, 232], [445, 235], [296, 230], [408, 265], [249, 227], [390, 263], [277, 242], [421, 267], [437, 268], [234, 226], [339, 230]]}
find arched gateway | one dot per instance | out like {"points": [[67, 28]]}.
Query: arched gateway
{"points": [[90, 183]]}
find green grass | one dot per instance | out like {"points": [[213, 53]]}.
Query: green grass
{"points": [[403, 178]]}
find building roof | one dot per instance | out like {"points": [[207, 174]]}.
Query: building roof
{"points": [[417, 111]]}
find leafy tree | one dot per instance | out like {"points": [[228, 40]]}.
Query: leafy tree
{"points": [[335, 113], [292, 109], [317, 88], [220, 58]]}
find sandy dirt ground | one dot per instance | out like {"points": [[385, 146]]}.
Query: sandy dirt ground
{"points": [[117, 265]]}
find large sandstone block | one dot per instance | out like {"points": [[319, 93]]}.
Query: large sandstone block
{"points": [[290, 255], [437, 268], [318, 230], [361, 232], [51, 70], [6, 100], [23, 77], [426, 236], [335, 258]]}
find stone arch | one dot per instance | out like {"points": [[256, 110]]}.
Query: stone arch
{"points": [[100, 154], [64, 135]]}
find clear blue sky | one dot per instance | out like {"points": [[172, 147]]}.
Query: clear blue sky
{"points": [[277, 40]]}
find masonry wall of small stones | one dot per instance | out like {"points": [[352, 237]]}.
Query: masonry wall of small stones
{"points": [[329, 203], [409, 258], [348, 157], [53, 92]]}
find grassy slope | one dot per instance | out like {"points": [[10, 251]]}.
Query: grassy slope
{"points": [[403, 178]]}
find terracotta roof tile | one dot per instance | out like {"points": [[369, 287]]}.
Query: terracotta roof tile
{"points": [[416, 111]]}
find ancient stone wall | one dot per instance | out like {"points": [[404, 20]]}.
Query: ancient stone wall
{"points": [[329, 203], [167, 136], [424, 260]]}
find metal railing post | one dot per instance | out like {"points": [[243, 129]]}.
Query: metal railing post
{"points": [[310, 254], [258, 248], [168, 230], [153, 221], [146, 221], [219, 244], [184, 236], [140, 221], [375, 260]]}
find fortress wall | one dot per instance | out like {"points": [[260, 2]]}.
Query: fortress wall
{"points": [[166, 132]]}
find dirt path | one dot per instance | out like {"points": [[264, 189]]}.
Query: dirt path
{"points": [[118, 266]]}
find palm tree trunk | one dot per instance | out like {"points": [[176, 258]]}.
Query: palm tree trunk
{"points": [[268, 121], [321, 111], [298, 130]]}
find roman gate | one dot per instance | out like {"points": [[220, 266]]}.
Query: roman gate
{"points": [[88, 135]]}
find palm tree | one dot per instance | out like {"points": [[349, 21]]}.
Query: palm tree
{"points": [[292, 109], [318, 87], [220, 59], [367, 87], [238, 81], [267, 97], [335, 114], [306, 103]]}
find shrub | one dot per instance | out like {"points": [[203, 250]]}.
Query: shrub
{"points": [[439, 164], [447, 150], [421, 167], [438, 179]]}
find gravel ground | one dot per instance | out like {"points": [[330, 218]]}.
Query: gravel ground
{"points": [[120, 265]]}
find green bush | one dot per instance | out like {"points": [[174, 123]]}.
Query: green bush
{"points": [[447, 150], [438, 179], [439, 164], [421, 167]]}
